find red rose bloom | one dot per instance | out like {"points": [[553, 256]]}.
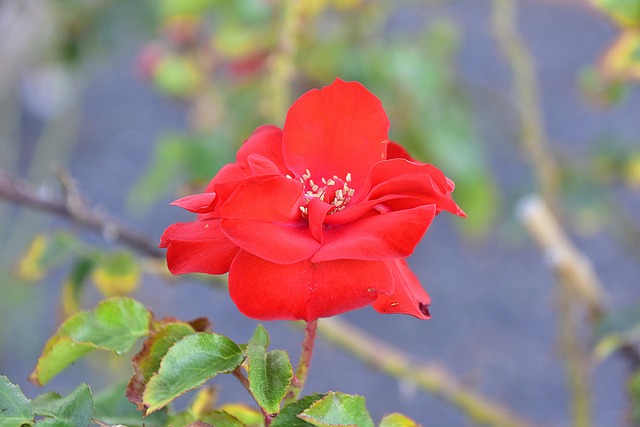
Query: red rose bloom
{"points": [[317, 218]]}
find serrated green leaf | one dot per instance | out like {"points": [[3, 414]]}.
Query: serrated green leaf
{"points": [[115, 325], [260, 337], [54, 422], [288, 417], [75, 409], [15, 408], [338, 409], [269, 376], [113, 408], [188, 364], [221, 419], [397, 420], [147, 361]]}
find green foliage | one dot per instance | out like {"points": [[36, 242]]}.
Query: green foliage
{"points": [[74, 410], [270, 374], [115, 325], [113, 408], [188, 364], [624, 12], [288, 417], [397, 420], [621, 327], [15, 408], [338, 409]]}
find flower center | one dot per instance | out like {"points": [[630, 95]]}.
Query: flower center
{"points": [[335, 191]]}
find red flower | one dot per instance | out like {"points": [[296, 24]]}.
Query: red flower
{"points": [[318, 218]]}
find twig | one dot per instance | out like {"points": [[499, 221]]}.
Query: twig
{"points": [[72, 207], [533, 137], [428, 377], [578, 279]]}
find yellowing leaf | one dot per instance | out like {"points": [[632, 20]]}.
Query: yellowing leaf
{"points": [[622, 60], [30, 267], [632, 172], [117, 274]]}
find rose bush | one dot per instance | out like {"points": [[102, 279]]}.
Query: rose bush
{"points": [[317, 218]]}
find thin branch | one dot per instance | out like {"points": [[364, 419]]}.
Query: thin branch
{"points": [[521, 64], [429, 377], [72, 207], [297, 384]]}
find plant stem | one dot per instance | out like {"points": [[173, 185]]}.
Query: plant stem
{"points": [[533, 136], [430, 377], [305, 360]]}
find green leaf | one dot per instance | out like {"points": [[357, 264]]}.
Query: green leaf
{"points": [[115, 325], [188, 364], [269, 376], [634, 393], [74, 285], [249, 416], [618, 328], [15, 409], [338, 409], [116, 274], [221, 419], [75, 409], [260, 337], [147, 361], [288, 417], [397, 420], [113, 408], [46, 252]]}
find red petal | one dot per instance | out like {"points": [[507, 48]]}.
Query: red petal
{"points": [[198, 203], [266, 141], [397, 151], [408, 297], [305, 290], [197, 247], [316, 213], [420, 180], [339, 129], [383, 236], [263, 218]]}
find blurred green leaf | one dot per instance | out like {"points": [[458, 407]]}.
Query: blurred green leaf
{"points": [[113, 408], [74, 285], [247, 415], [116, 274], [618, 328], [188, 364], [397, 420], [45, 252], [221, 419], [76, 409], [624, 12], [634, 393], [15, 408], [115, 325], [270, 374], [338, 409], [288, 417]]}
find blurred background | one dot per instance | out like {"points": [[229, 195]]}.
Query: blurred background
{"points": [[133, 104]]}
